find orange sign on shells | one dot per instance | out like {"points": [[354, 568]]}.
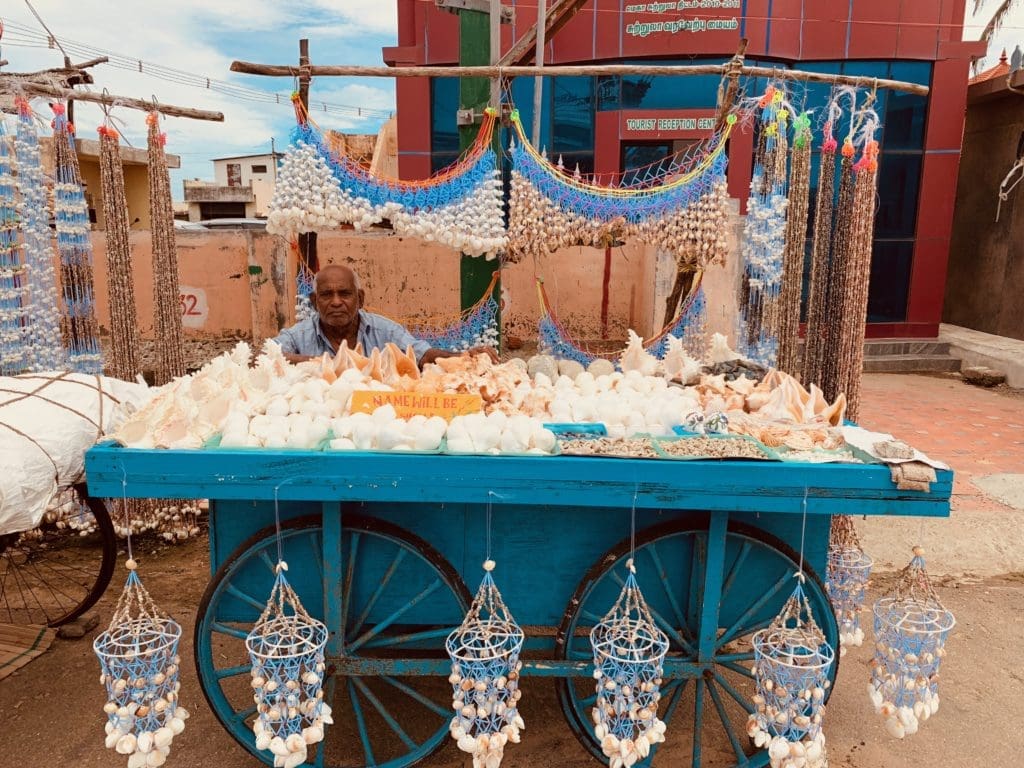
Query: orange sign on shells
{"points": [[406, 404]]}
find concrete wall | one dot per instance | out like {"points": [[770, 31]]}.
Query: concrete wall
{"points": [[239, 284], [986, 265]]}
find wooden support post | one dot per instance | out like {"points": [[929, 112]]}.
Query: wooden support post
{"points": [[307, 240], [538, 81], [474, 94]]}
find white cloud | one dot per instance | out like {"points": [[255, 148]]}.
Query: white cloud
{"points": [[200, 37]]}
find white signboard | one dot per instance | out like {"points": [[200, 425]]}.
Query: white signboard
{"points": [[194, 309]]}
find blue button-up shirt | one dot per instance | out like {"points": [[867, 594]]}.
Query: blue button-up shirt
{"points": [[307, 337]]}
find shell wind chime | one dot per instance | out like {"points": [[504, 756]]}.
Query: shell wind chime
{"points": [[44, 349], [764, 236], [681, 207], [13, 283], [461, 207], [71, 218], [484, 651], [848, 570], [139, 659], [792, 662], [286, 648], [911, 627], [629, 656]]}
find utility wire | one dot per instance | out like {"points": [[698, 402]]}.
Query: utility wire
{"points": [[24, 36]]}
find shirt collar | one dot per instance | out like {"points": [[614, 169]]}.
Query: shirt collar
{"points": [[365, 322]]}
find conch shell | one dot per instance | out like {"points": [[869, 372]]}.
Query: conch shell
{"points": [[636, 358]]}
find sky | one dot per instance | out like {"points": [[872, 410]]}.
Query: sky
{"points": [[1011, 33], [202, 38]]}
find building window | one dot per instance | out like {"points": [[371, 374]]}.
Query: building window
{"points": [[234, 174], [259, 169]]}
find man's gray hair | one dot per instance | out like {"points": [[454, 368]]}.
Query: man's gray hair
{"points": [[355, 276]]}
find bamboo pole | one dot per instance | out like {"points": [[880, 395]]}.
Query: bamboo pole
{"points": [[273, 70], [39, 89]]}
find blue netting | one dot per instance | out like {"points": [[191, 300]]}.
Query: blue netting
{"points": [[629, 654], [690, 326], [484, 651], [138, 655], [848, 573], [44, 349], [764, 240], [792, 665], [13, 283], [74, 246], [286, 648], [911, 627], [478, 328], [646, 203], [360, 183]]}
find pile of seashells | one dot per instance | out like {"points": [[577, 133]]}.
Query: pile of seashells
{"points": [[497, 433], [293, 703], [494, 701], [144, 730]]}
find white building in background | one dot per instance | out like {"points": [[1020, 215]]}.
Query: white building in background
{"points": [[242, 188]]}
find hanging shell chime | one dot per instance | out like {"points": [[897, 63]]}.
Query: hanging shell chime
{"points": [[484, 651], [792, 665], [286, 649], [911, 627], [849, 568], [629, 657], [139, 659]]}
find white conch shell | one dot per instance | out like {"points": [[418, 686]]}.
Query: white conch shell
{"points": [[636, 358], [678, 364], [719, 351]]}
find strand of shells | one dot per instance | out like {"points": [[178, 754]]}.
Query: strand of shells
{"points": [[79, 327], [166, 293], [13, 285], [124, 324], [44, 350]]}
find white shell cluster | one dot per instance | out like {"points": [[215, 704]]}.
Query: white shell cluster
{"points": [[497, 433], [487, 700], [144, 748], [308, 197], [384, 431], [808, 752], [277, 703], [907, 698], [623, 753]]}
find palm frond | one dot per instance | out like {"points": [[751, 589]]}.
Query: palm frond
{"points": [[997, 18]]}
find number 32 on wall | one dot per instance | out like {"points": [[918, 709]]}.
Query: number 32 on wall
{"points": [[194, 309]]}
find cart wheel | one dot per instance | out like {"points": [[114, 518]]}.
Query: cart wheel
{"points": [[395, 711], [709, 706], [51, 576]]}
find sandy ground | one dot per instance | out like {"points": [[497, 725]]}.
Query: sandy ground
{"points": [[977, 559]]}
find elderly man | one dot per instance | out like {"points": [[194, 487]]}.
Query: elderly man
{"points": [[338, 298]]}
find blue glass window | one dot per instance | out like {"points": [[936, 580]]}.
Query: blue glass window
{"points": [[522, 98], [899, 182], [572, 114], [444, 130]]}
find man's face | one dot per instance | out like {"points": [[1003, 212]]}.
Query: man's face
{"points": [[337, 300]]}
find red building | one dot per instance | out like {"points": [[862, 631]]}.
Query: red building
{"points": [[609, 124]]}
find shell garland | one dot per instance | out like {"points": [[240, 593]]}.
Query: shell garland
{"points": [[629, 654], [286, 648], [484, 651], [911, 627], [139, 659], [317, 189], [792, 665]]}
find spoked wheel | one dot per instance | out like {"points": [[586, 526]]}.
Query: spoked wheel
{"points": [[52, 575], [388, 687], [706, 696]]}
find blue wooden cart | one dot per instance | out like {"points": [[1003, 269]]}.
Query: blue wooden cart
{"points": [[385, 546]]}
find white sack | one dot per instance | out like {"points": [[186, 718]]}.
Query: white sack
{"points": [[47, 423]]}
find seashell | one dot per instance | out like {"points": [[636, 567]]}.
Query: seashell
{"points": [[163, 736], [155, 759], [895, 728], [778, 748], [263, 740], [113, 737], [177, 725], [126, 744], [137, 760], [144, 741], [278, 747]]}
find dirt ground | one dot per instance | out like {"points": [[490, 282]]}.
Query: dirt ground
{"points": [[54, 703]]}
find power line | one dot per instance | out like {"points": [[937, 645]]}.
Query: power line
{"points": [[25, 36]]}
